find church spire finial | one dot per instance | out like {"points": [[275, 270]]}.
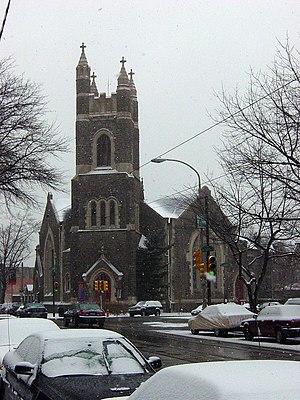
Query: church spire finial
{"points": [[83, 59], [123, 77], [94, 88]]}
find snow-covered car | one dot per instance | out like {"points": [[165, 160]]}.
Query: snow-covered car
{"points": [[143, 308], [13, 330], [224, 380], [266, 304], [75, 364], [197, 310], [278, 321], [220, 318], [293, 301]]}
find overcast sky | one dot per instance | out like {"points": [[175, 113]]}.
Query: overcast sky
{"points": [[181, 53]]}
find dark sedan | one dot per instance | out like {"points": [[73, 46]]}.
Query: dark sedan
{"points": [[36, 310], [74, 364], [277, 321], [84, 313]]}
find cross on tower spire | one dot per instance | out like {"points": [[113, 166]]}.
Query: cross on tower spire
{"points": [[123, 61], [83, 46], [93, 76], [131, 73]]}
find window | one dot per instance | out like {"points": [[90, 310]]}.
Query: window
{"points": [[93, 213], [112, 212], [102, 213], [103, 151]]}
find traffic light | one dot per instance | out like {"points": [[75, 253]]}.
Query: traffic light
{"points": [[105, 286], [96, 285], [197, 256], [202, 271], [212, 267], [56, 286], [101, 285]]}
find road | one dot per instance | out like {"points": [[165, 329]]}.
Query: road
{"points": [[170, 339]]}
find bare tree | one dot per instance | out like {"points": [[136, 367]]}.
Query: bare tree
{"points": [[27, 141], [260, 160], [15, 241], [269, 113]]}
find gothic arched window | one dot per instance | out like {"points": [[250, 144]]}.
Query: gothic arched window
{"points": [[112, 213], [103, 151], [102, 213], [93, 213]]}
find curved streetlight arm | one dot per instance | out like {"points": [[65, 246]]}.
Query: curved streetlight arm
{"points": [[161, 160]]}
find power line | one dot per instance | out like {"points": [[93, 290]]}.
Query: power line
{"points": [[201, 133], [4, 19]]}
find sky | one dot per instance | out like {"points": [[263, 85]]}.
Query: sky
{"points": [[182, 53]]}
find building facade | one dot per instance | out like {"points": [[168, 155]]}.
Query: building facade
{"points": [[97, 238]]}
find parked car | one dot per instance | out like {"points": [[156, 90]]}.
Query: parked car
{"points": [[13, 330], [293, 301], [75, 364], [84, 313], [224, 380], [36, 310], [12, 308], [197, 310], [266, 304], [143, 308], [279, 322], [220, 318]]}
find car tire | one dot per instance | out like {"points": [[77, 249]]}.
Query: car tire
{"points": [[157, 313], [76, 323], [220, 332], [143, 313], [66, 322], [194, 331], [131, 315], [280, 336], [247, 334]]}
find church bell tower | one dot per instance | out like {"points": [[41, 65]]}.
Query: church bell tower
{"points": [[106, 189]]}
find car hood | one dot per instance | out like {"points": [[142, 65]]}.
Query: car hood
{"points": [[90, 386]]}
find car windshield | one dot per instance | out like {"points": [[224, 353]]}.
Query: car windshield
{"points": [[90, 357], [35, 305], [141, 303], [89, 306]]}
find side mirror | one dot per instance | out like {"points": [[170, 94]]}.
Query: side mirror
{"points": [[24, 368], [155, 362]]}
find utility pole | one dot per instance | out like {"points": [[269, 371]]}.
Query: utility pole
{"points": [[22, 284]]}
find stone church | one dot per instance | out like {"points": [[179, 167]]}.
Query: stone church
{"points": [[98, 237]]}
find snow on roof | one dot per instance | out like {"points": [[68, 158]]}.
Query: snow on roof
{"points": [[167, 210], [106, 171], [142, 242], [60, 205]]}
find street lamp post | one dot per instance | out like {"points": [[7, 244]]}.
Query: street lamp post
{"points": [[161, 160]]}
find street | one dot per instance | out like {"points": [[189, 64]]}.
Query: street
{"points": [[169, 338]]}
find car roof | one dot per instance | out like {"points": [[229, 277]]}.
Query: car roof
{"points": [[79, 333], [226, 380], [14, 330], [289, 310]]}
